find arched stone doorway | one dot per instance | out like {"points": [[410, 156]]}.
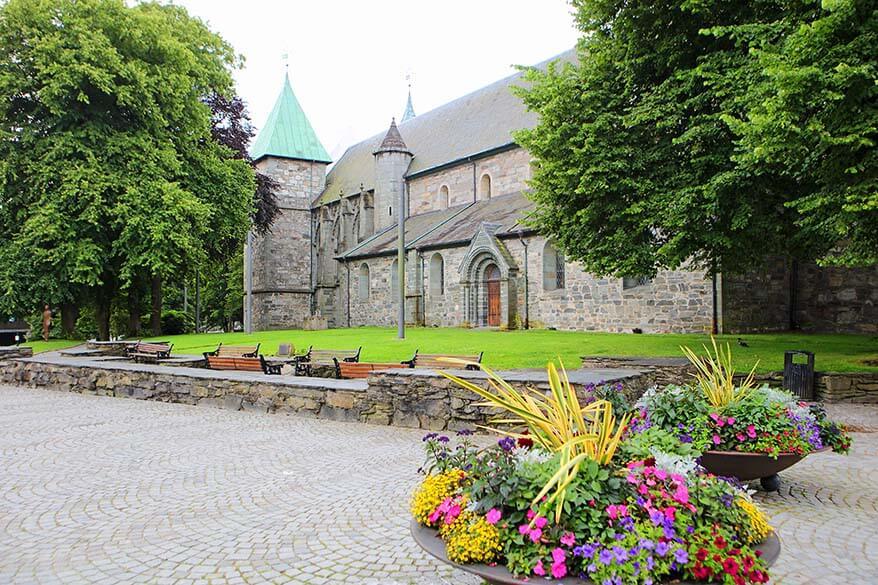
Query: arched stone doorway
{"points": [[491, 310]]}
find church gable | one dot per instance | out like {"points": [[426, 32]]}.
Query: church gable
{"points": [[486, 246]]}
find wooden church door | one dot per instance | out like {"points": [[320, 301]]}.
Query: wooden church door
{"points": [[492, 282]]}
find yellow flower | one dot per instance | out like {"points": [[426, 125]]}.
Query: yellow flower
{"points": [[433, 492], [759, 527], [470, 539]]}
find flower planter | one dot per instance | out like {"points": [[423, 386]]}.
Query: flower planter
{"points": [[750, 466], [428, 539]]}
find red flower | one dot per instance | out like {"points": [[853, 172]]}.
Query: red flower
{"points": [[523, 442], [730, 566], [758, 576], [701, 572], [701, 554], [720, 542], [739, 580], [747, 562]]}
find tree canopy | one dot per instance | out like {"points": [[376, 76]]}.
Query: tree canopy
{"points": [[708, 134], [110, 167]]}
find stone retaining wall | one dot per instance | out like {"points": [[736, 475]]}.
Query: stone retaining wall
{"points": [[857, 387], [13, 351], [406, 398]]}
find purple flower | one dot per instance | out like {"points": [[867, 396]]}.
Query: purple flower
{"points": [[661, 549], [586, 550], [727, 500], [464, 433], [606, 556], [621, 554], [656, 517], [430, 437], [627, 523], [681, 556], [443, 439], [646, 544], [591, 568], [507, 444]]}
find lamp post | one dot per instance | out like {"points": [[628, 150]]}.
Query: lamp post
{"points": [[400, 261]]}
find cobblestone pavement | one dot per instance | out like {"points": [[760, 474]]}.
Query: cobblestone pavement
{"points": [[105, 490]]}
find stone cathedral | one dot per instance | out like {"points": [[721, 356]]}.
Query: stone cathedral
{"points": [[469, 259]]}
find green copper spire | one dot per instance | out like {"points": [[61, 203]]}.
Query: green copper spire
{"points": [[409, 110], [287, 132]]}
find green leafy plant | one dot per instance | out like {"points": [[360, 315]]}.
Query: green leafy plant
{"points": [[715, 375], [556, 421]]}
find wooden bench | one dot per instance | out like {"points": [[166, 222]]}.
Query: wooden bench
{"points": [[234, 351], [150, 352], [363, 369], [325, 357], [246, 364], [436, 361]]}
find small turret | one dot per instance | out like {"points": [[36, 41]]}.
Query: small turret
{"points": [[392, 159]]}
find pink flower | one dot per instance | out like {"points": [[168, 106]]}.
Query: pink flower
{"points": [[558, 555], [730, 421], [740, 436], [493, 516], [541, 522], [535, 535], [568, 539], [751, 431], [452, 514], [661, 474], [717, 440], [670, 513], [539, 570], [434, 516], [559, 570], [523, 529], [531, 514], [714, 416]]}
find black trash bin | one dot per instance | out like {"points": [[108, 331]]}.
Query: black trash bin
{"points": [[798, 376]]}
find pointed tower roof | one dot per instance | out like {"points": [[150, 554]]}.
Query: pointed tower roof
{"points": [[393, 141], [409, 109], [287, 132]]}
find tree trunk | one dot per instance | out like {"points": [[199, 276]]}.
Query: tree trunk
{"points": [[134, 299], [102, 315], [155, 320], [69, 316]]}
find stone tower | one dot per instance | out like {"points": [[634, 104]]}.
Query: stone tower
{"points": [[287, 150], [391, 163]]}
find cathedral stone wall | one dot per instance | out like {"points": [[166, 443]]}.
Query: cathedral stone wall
{"points": [[282, 258], [509, 172], [843, 300]]}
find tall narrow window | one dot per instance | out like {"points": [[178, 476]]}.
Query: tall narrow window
{"points": [[553, 268], [437, 275], [394, 279], [363, 282], [485, 187], [443, 197]]}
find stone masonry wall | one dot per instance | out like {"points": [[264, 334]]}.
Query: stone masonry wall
{"points": [[509, 172], [857, 387], [282, 258], [843, 300], [674, 301], [419, 400]]}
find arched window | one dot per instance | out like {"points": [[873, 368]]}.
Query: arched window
{"points": [[437, 275], [394, 279], [553, 268], [485, 187], [363, 282], [443, 197]]}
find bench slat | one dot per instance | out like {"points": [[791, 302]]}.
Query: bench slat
{"points": [[363, 369], [436, 360]]}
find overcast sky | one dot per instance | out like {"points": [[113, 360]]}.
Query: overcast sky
{"points": [[348, 59]]}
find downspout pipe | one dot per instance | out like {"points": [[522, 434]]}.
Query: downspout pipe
{"points": [[526, 288]]}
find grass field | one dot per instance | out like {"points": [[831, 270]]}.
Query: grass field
{"points": [[533, 348]]}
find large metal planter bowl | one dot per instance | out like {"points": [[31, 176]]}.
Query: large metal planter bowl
{"points": [[749, 466], [429, 540]]}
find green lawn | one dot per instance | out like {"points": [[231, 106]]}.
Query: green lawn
{"points": [[533, 348], [509, 349]]}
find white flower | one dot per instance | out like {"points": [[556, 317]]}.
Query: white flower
{"points": [[672, 463]]}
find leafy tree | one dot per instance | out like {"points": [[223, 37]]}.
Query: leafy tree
{"points": [[640, 160], [109, 169], [813, 119]]}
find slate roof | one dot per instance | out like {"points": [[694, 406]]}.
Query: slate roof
{"points": [[473, 124], [454, 225], [287, 132], [393, 142]]}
